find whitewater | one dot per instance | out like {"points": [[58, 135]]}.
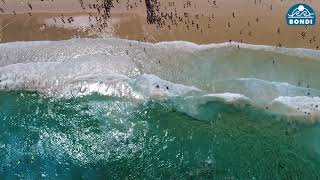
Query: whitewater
{"points": [[267, 77], [169, 109]]}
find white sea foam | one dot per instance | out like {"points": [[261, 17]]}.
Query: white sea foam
{"points": [[94, 46], [153, 86], [228, 97], [298, 106], [254, 74], [208, 106], [300, 52], [264, 91]]}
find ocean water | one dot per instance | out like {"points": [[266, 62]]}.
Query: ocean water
{"points": [[120, 109]]}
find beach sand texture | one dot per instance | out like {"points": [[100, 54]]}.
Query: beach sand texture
{"points": [[198, 21]]}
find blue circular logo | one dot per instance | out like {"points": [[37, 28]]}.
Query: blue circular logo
{"points": [[301, 15]]}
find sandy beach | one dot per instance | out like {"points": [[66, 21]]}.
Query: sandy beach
{"points": [[198, 21]]}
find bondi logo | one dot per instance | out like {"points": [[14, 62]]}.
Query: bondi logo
{"points": [[301, 14]]}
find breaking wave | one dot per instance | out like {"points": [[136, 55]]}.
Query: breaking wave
{"points": [[272, 79]]}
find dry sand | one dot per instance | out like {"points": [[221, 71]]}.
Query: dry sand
{"points": [[198, 21]]}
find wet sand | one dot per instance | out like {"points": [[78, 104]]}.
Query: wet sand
{"points": [[198, 21]]}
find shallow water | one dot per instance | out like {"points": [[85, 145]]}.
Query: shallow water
{"points": [[92, 108]]}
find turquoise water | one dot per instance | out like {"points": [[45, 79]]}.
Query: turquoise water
{"points": [[86, 138], [119, 109]]}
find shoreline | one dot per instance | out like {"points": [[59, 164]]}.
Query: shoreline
{"points": [[314, 54]]}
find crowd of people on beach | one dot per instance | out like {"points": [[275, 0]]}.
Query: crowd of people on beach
{"points": [[164, 15]]}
